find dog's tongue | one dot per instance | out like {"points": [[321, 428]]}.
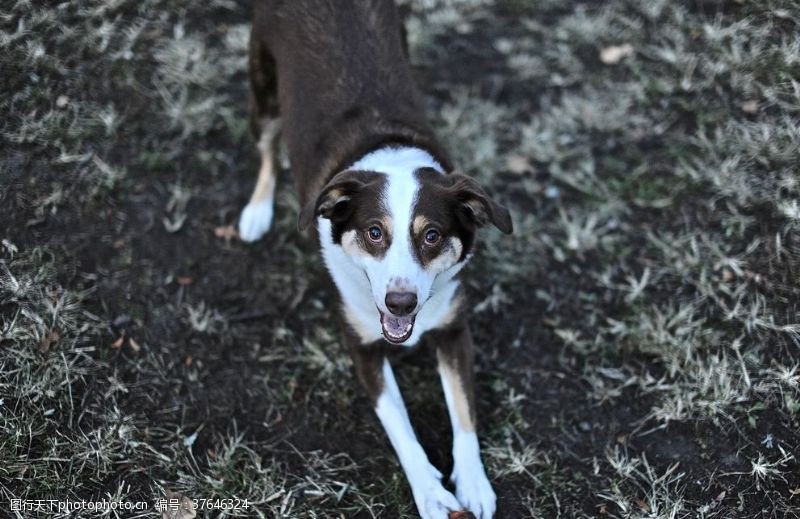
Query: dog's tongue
{"points": [[397, 329]]}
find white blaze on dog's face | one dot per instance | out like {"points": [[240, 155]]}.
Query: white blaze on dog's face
{"points": [[394, 231]]}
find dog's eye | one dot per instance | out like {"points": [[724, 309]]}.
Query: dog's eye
{"points": [[432, 237], [375, 233]]}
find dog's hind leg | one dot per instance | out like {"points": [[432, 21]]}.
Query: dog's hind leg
{"points": [[256, 217]]}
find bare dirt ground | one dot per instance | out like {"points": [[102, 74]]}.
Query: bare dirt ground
{"points": [[638, 335]]}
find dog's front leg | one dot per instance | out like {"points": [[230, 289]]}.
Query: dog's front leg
{"points": [[455, 354], [375, 373]]}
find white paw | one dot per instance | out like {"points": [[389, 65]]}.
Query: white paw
{"points": [[432, 499], [474, 492], [256, 220]]}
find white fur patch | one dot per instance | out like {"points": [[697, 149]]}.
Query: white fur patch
{"points": [[351, 245], [353, 285], [473, 489], [432, 499], [256, 219], [396, 160]]}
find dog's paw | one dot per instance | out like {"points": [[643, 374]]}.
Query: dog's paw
{"points": [[432, 499], [474, 491], [255, 220]]}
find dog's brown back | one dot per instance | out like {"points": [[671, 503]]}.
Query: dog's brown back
{"points": [[344, 84]]}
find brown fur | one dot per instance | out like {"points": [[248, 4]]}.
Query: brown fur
{"points": [[367, 361], [343, 84], [456, 355]]}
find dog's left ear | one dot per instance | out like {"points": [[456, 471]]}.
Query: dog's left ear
{"points": [[476, 208], [333, 202]]}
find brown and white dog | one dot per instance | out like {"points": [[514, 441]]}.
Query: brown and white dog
{"points": [[396, 224]]}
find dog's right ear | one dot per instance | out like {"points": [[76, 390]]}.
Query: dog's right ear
{"points": [[333, 202]]}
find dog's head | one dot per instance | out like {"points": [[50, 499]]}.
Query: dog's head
{"points": [[407, 232]]}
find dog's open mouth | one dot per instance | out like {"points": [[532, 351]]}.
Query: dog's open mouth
{"points": [[397, 329]]}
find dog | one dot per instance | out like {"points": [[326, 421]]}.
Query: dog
{"points": [[395, 221]]}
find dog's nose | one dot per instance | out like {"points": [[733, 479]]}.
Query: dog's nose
{"points": [[401, 303]]}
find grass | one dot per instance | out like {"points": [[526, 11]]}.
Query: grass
{"points": [[638, 334]]}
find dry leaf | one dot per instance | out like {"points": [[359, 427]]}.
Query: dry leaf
{"points": [[48, 341], [615, 53], [134, 345], [518, 164], [228, 232], [749, 107], [118, 343], [184, 280], [178, 506]]}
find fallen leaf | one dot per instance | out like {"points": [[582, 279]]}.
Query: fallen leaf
{"points": [[749, 107], [48, 341], [178, 506], [118, 244], [518, 164], [134, 345], [227, 232], [118, 343], [184, 280], [188, 360], [642, 505], [615, 53]]}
